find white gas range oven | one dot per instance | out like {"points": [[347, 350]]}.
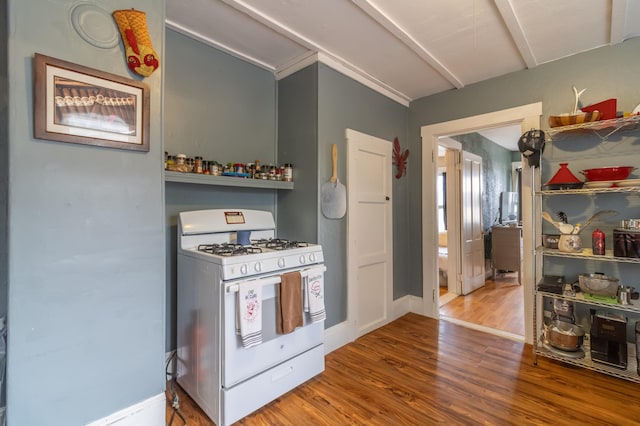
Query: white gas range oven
{"points": [[230, 373]]}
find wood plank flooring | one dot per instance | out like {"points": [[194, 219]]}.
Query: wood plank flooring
{"points": [[419, 371], [498, 305]]}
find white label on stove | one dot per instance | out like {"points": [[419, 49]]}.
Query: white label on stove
{"points": [[233, 218]]}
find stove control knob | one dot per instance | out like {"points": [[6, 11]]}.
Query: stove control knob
{"points": [[302, 259], [312, 257], [243, 269], [258, 266], [281, 262]]}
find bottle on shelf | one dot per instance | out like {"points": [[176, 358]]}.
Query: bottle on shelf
{"points": [[597, 242]]}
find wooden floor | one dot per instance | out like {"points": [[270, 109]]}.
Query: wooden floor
{"points": [[419, 371], [498, 305]]}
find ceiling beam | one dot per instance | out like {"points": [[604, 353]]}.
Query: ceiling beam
{"points": [[618, 15], [271, 23], [324, 55], [517, 32], [395, 29]]}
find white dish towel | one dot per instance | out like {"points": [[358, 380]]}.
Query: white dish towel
{"points": [[314, 294], [250, 313]]}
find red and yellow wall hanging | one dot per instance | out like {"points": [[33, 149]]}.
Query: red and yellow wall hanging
{"points": [[141, 58]]}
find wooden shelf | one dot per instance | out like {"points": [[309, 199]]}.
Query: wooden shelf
{"points": [[199, 179]]}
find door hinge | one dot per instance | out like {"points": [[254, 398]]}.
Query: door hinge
{"points": [[434, 296]]}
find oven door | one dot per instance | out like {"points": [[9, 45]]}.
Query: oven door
{"points": [[240, 363]]}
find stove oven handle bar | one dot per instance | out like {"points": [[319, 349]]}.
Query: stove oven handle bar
{"points": [[271, 280]]}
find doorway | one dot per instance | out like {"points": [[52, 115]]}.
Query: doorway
{"points": [[460, 218], [527, 116], [475, 298]]}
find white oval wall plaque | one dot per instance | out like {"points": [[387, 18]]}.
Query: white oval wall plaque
{"points": [[95, 25]]}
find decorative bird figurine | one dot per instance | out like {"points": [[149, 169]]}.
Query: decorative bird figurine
{"points": [[400, 158], [141, 58], [563, 217]]}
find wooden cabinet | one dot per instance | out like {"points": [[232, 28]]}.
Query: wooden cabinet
{"points": [[506, 249]]}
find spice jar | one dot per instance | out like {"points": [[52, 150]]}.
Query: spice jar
{"points": [[171, 162], [272, 172], [181, 159], [197, 165], [287, 173]]}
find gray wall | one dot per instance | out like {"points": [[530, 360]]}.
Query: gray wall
{"points": [[608, 72], [86, 253], [4, 153], [344, 103], [315, 107], [221, 108], [216, 105], [298, 142], [4, 167]]}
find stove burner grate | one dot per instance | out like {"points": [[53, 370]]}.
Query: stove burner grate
{"points": [[228, 249], [279, 244]]}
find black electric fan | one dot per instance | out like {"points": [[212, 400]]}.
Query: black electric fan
{"points": [[531, 145]]}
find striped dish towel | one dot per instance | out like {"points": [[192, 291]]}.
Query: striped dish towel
{"points": [[250, 313], [314, 294]]}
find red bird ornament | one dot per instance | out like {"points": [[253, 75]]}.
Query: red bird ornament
{"points": [[400, 158]]}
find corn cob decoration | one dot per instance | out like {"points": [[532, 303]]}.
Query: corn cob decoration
{"points": [[141, 58]]}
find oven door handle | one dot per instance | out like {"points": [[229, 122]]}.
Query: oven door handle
{"points": [[272, 279]]}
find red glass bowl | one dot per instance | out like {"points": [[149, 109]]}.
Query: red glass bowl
{"points": [[608, 173]]}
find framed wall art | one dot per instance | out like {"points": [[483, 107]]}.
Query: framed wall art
{"points": [[81, 105]]}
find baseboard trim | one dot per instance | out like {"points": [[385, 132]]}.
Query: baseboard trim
{"points": [[338, 336], [484, 329], [150, 412], [344, 332]]}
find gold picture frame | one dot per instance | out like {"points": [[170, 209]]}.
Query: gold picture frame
{"points": [[82, 105]]}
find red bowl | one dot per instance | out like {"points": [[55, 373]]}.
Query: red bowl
{"points": [[608, 173]]}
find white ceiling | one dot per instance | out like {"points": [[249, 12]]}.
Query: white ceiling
{"points": [[506, 136], [406, 49]]}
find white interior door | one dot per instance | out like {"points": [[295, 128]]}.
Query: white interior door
{"points": [[472, 232], [369, 231]]}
